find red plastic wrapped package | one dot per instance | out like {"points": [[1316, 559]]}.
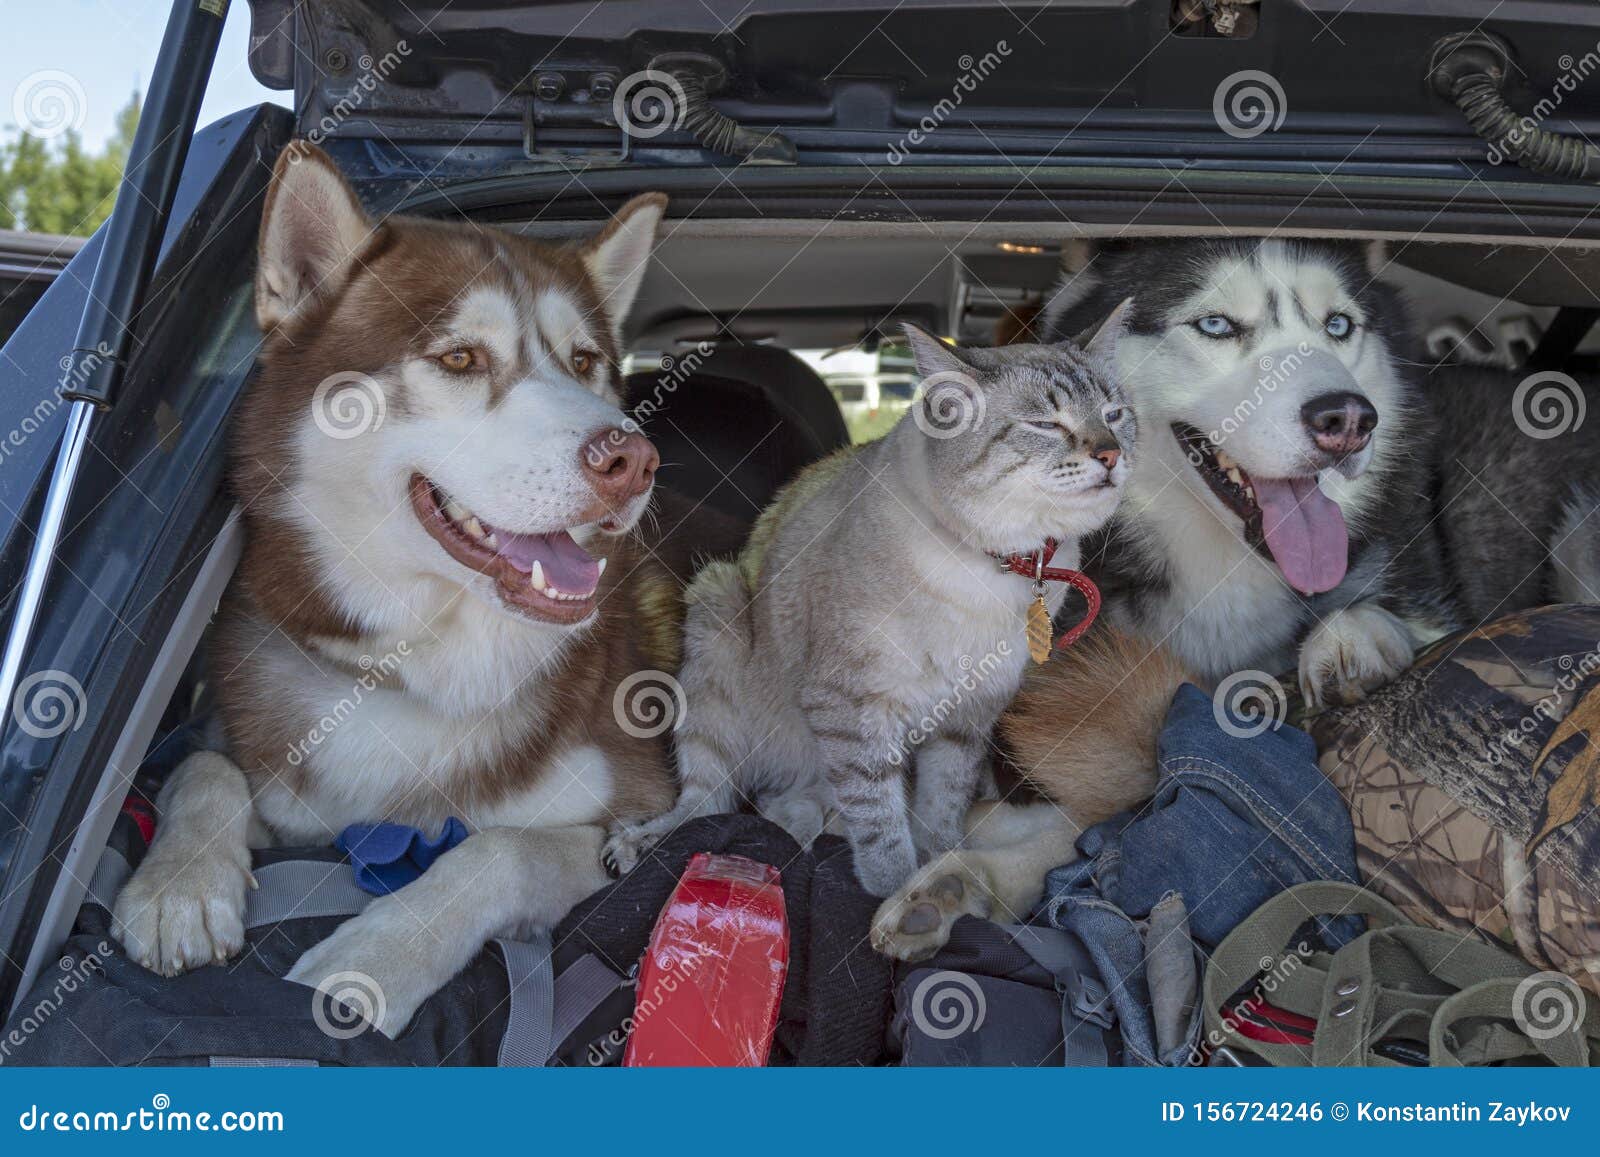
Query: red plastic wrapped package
{"points": [[713, 974]]}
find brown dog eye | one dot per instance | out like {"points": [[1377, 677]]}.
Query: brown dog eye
{"points": [[457, 361], [582, 362]]}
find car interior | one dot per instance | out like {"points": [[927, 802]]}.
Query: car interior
{"points": [[734, 340]]}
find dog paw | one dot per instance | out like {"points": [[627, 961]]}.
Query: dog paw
{"points": [[1351, 654], [624, 849], [376, 967], [915, 922], [183, 908]]}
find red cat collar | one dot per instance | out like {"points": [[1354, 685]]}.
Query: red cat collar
{"points": [[1036, 566]]}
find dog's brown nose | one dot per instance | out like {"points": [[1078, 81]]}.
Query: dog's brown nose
{"points": [[1340, 423], [620, 464], [1106, 455]]}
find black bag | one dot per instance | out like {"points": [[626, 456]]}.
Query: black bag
{"points": [[1004, 994], [517, 1003]]}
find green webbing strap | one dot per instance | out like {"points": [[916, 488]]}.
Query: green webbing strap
{"points": [[1396, 981]]}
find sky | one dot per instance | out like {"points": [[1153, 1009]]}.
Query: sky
{"points": [[76, 62]]}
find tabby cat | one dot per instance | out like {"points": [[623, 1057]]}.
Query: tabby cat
{"points": [[867, 629]]}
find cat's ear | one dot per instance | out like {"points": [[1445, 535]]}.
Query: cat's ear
{"points": [[1101, 340], [932, 355]]}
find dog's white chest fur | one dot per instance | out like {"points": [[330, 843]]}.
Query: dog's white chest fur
{"points": [[376, 749]]}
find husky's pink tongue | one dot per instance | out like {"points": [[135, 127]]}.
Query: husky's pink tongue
{"points": [[567, 566], [1305, 532]]}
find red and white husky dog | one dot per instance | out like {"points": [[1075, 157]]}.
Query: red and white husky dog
{"points": [[464, 554]]}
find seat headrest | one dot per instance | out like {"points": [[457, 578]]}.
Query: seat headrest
{"points": [[734, 425]]}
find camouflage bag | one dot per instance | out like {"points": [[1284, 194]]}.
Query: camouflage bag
{"points": [[1473, 781]]}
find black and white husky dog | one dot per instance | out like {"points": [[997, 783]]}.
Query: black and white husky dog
{"points": [[1288, 511], [1303, 500]]}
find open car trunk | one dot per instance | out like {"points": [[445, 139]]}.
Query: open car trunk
{"points": [[834, 293]]}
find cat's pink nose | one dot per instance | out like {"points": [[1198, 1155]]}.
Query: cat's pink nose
{"points": [[1106, 455]]}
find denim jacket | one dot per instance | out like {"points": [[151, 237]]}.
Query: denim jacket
{"points": [[1241, 811]]}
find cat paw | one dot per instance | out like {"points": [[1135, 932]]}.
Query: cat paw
{"points": [[801, 816], [915, 923], [625, 848], [183, 908], [1352, 653]]}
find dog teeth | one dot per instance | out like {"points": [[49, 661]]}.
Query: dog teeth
{"points": [[1223, 460], [472, 526], [492, 540], [536, 578], [1234, 476], [456, 511], [602, 568]]}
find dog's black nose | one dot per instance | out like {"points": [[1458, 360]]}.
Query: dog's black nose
{"points": [[1340, 423]]}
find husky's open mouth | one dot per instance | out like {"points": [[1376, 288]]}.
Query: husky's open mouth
{"points": [[1289, 520], [546, 576]]}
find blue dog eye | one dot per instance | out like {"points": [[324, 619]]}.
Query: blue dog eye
{"points": [[1339, 325], [1215, 325]]}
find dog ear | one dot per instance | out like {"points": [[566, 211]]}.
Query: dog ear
{"points": [[1101, 340], [932, 355], [311, 228], [1377, 257], [617, 258]]}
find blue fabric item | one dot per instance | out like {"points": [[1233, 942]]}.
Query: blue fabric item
{"points": [[1238, 815], [387, 857]]}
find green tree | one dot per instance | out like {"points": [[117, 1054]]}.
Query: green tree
{"points": [[64, 188]]}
